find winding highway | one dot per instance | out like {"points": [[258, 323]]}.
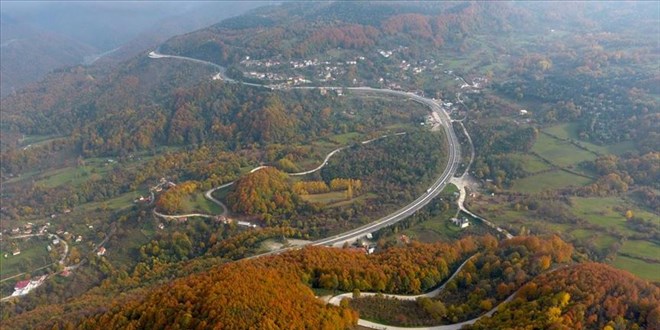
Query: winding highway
{"points": [[453, 159]]}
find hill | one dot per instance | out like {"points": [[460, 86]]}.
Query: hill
{"points": [[274, 292], [29, 52], [586, 296]]}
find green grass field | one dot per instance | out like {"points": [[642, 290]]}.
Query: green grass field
{"points": [[531, 163], [325, 198], [638, 267], [198, 203], [335, 198], [555, 179], [74, 175], [344, 139], [559, 152], [604, 241], [126, 253], [33, 255], [362, 197], [642, 249], [582, 234], [570, 131], [597, 211], [117, 203], [439, 228], [601, 211], [36, 140]]}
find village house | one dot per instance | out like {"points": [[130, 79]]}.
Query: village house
{"points": [[24, 287], [101, 251], [20, 285], [461, 223]]}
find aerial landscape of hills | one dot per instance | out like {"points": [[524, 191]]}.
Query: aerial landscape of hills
{"points": [[38, 38], [331, 165]]}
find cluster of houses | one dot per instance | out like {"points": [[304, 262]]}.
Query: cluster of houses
{"points": [[387, 53], [364, 245], [405, 66], [162, 184], [477, 83], [266, 75], [433, 120], [247, 62], [29, 228], [274, 70], [24, 287], [146, 200], [461, 222], [325, 70]]}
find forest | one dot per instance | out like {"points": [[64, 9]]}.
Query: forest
{"points": [[585, 296], [484, 282], [275, 292]]}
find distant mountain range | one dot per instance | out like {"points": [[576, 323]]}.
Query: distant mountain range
{"points": [[35, 40]]}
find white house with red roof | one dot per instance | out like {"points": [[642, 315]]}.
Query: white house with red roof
{"points": [[20, 285], [24, 287]]}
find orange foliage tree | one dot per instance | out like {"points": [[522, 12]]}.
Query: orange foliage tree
{"points": [[264, 192]]}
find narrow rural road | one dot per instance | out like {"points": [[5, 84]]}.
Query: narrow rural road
{"points": [[338, 298], [209, 193]]}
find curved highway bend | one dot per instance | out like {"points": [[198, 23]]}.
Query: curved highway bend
{"points": [[435, 189]]}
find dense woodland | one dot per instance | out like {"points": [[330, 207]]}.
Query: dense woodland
{"points": [[585, 296], [275, 291], [485, 281], [396, 164], [328, 268], [265, 192], [210, 163]]}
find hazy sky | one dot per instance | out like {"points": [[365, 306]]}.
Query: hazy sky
{"points": [[102, 24]]}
